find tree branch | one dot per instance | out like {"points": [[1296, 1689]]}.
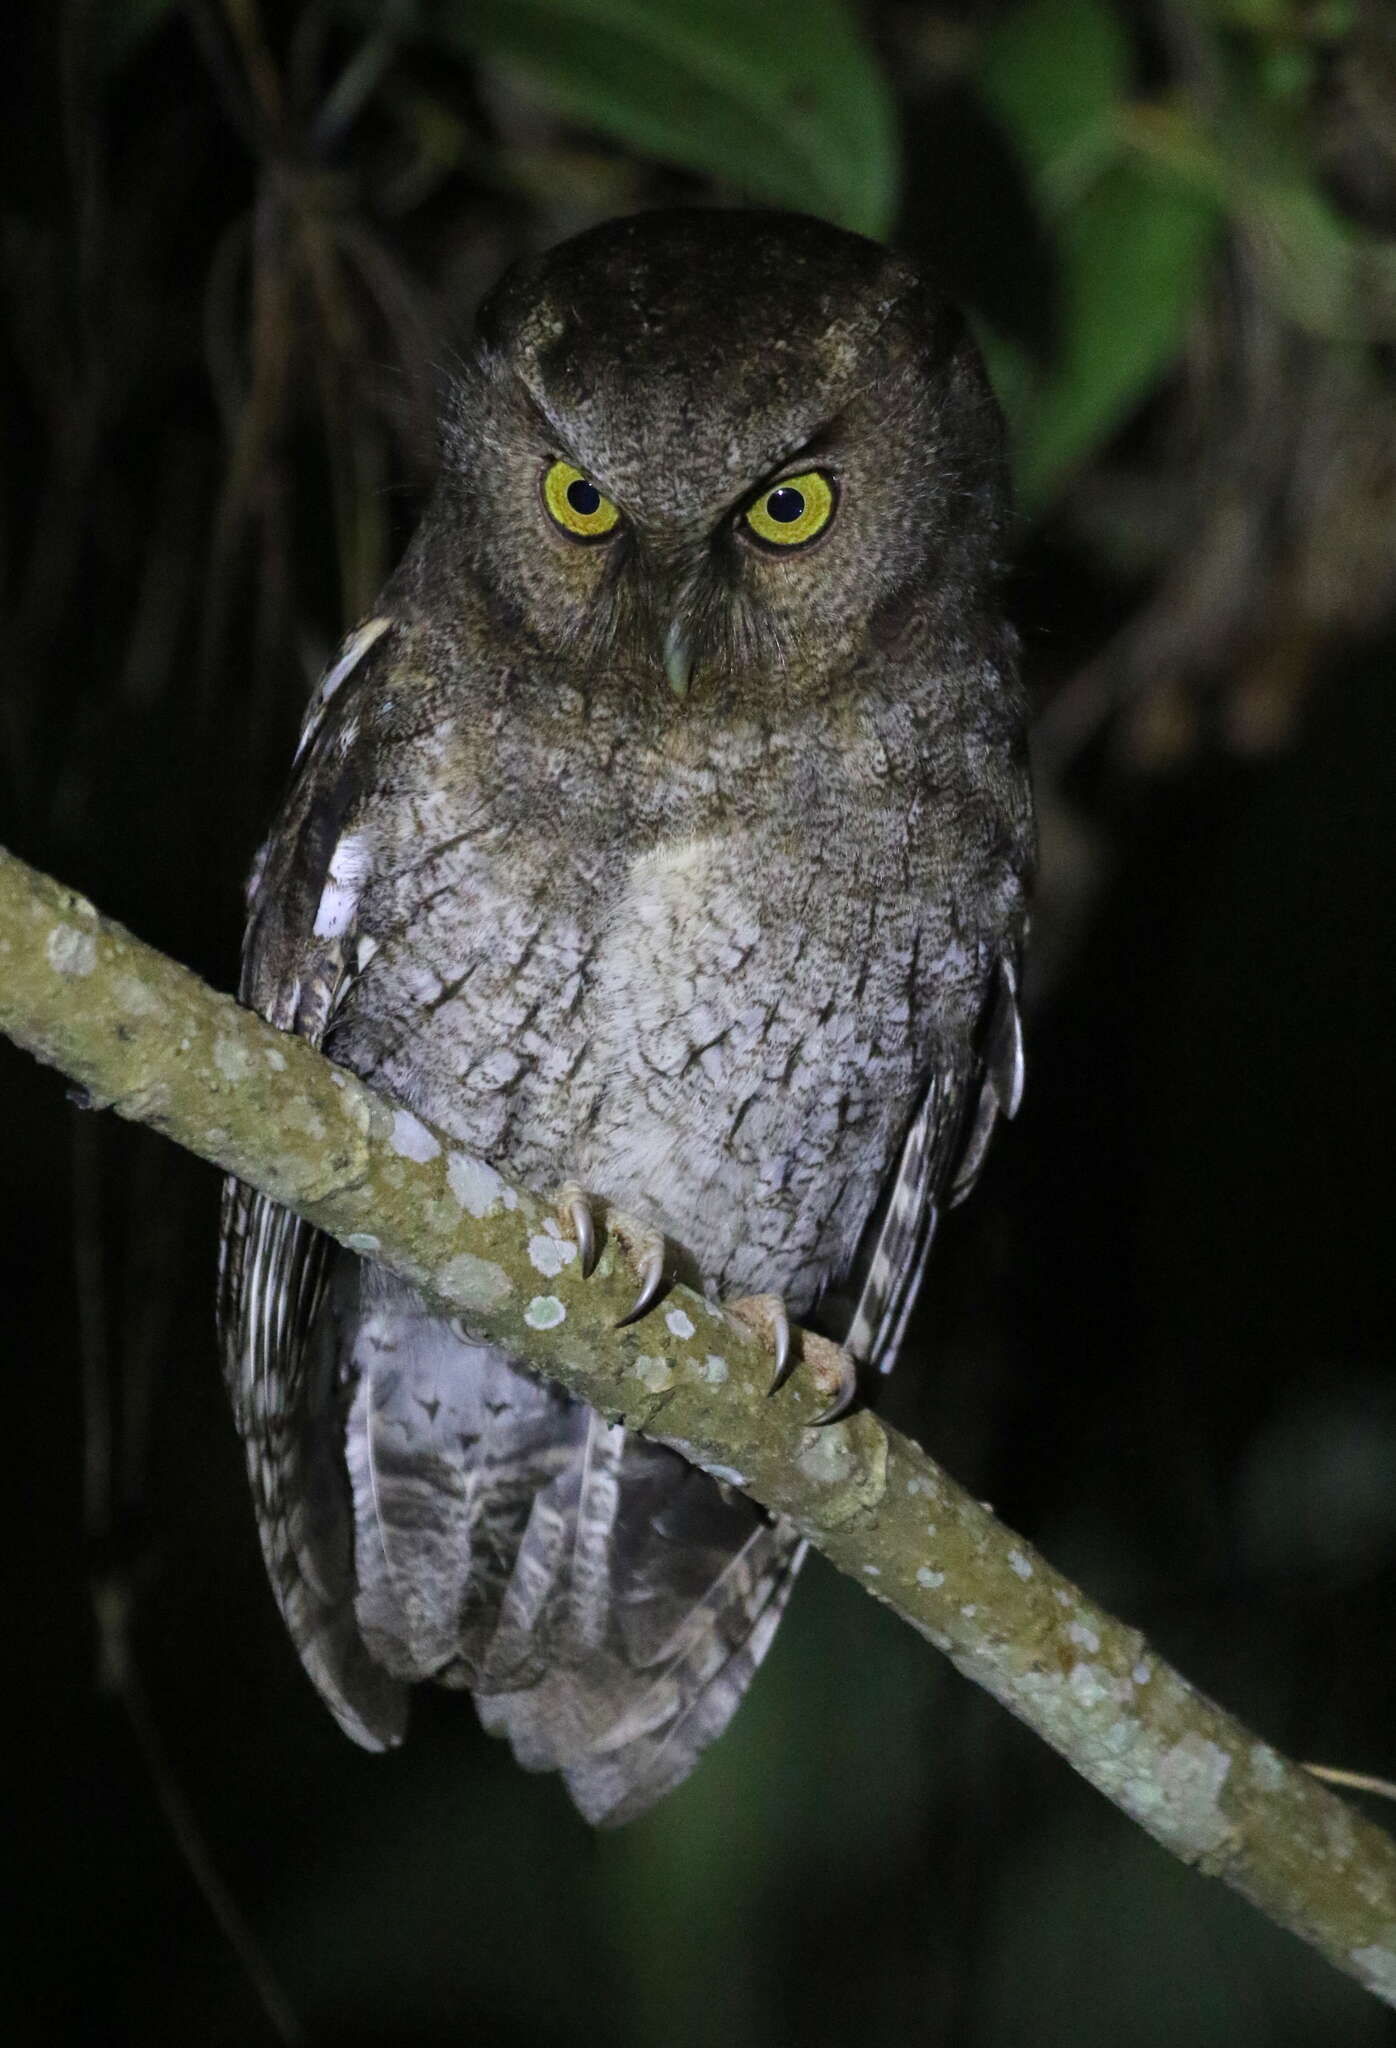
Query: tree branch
{"points": [[145, 1037]]}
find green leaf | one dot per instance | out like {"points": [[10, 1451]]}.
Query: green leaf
{"points": [[1054, 72], [1330, 276], [1133, 254], [780, 98], [1130, 237]]}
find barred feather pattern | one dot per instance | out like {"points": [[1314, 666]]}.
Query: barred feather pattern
{"points": [[939, 1153], [281, 1372], [430, 1511], [606, 1603]]}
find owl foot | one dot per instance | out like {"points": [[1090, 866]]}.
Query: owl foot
{"points": [[647, 1249], [837, 1369], [833, 1370]]}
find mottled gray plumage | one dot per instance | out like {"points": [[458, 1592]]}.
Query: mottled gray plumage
{"points": [[740, 962]]}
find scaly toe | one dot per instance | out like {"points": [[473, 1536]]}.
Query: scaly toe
{"points": [[845, 1370]]}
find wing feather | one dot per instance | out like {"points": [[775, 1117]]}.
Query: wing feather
{"points": [[278, 1338], [941, 1158]]}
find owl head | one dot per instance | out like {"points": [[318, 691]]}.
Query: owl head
{"points": [[715, 451]]}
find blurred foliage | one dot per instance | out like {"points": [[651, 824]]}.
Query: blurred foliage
{"points": [[1133, 187], [783, 100], [1137, 189], [238, 244], [1130, 240]]}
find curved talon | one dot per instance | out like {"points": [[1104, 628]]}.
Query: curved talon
{"points": [[575, 1212], [780, 1340], [651, 1287], [584, 1230], [843, 1399], [765, 1317]]}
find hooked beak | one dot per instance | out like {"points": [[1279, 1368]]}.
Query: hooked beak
{"points": [[678, 658]]}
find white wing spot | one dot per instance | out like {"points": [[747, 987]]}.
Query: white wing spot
{"points": [[680, 1324], [1022, 1567], [350, 655], [339, 899], [545, 1312], [926, 1577]]}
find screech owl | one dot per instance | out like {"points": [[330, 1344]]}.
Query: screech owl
{"points": [[663, 836]]}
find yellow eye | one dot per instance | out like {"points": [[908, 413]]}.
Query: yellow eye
{"points": [[576, 505], [793, 511]]}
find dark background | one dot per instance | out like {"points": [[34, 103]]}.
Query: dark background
{"points": [[237, 243]]}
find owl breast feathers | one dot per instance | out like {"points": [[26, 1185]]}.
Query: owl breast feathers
{"points": [[664, 832]]}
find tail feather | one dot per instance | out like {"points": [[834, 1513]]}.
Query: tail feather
{"points": [[517, 1655], [448, 1446], [650, 1752], [598, 1496], [605, 1601], [697, 1581]]}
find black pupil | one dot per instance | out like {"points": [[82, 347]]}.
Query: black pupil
{"points": [[785, 504], [583, 497]]}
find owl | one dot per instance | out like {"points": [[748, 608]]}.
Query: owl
{"points": [[663, 837]]}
